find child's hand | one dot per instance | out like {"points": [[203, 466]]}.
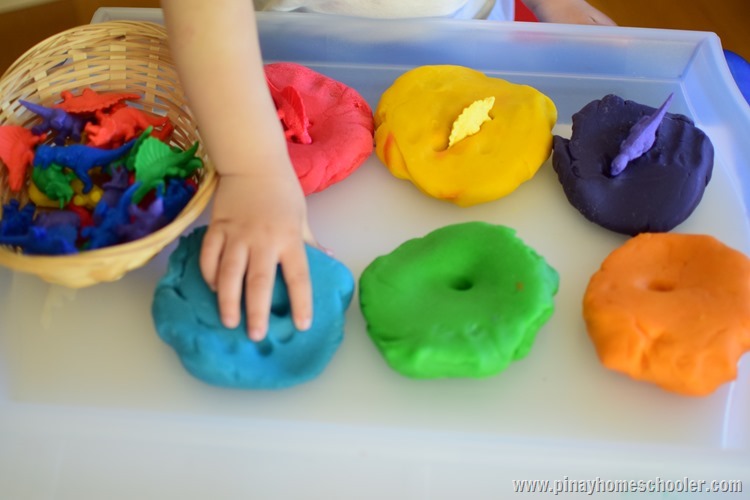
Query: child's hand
{"points": [[568, 12], [257, 223]]}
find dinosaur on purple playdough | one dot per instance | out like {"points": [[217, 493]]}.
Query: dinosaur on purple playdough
{"points": [[640, 139]]}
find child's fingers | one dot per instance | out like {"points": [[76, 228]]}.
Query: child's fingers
{"points": [[213, 243], [230, 278], [259, 281], [297, 277]]}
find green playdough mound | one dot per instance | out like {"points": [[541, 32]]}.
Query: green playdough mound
{"points": [[463, 301]]}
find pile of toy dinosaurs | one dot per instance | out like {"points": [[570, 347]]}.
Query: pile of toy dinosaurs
{"points": [[102, 172]]}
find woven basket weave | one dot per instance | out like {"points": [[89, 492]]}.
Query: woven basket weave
{"points": [[118, 56]]}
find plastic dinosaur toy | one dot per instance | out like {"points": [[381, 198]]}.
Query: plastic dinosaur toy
{"points": [[124, 124], [91, 101], [129, 161], [179, 193], [156, 161], [86, 217], [79, 158], [17, 152], [40, 199], [54, 183], [52, 218], [70, 217], [143, 222], [640, 139], [86, 200], [108, 220], [66, 126], [291, 111], [56, 240], [116, 186], [16, 220]]}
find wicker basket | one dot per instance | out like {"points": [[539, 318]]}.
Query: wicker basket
{"points": [[113, 56]]}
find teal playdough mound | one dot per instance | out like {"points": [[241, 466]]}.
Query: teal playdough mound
{"points": [[463, 301], [186, 317]]}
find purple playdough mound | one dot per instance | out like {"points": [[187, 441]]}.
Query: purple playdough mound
{"points": [[656, 191]]}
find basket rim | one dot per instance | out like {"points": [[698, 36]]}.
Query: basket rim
{"points": [[103, 26]]}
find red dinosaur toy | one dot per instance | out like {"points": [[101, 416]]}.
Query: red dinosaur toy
{"points": [[90, 101], [17, 152], [124, 124]]}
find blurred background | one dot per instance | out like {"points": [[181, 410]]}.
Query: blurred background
{"points": [[23, 23]]}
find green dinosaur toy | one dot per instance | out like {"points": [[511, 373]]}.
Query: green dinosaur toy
{"points": [[54, 182], [156, 161]]}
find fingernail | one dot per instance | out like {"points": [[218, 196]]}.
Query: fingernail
{"points": [[256, 334], [327, 251], [230, 321], [303, 324]]}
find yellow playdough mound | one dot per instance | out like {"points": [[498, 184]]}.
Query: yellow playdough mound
{"points": [[496, 150]]}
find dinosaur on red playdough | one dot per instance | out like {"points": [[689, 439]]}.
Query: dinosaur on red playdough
{"points": [[291, 111], [90, 101], [17, 152], [123, 124]]}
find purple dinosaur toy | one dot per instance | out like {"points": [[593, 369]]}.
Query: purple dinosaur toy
{"points": [[144, 222], [115, 187], [16, 221], [54, 218], [640, 139], [56, 240], [58, 120], [80, 159]]}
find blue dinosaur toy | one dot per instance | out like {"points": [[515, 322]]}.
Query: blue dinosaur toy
{"points": [[79, 158], [56, 240], [65, 125], [179, 193], [16, 221], [108, 220]]}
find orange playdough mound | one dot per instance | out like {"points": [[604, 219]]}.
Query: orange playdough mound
{"points": [[672, 309]]}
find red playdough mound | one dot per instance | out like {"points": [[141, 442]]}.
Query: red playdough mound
{"points": [[329, 126]]}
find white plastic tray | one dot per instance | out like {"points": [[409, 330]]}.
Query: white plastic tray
{"points": [[94, 405]]}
